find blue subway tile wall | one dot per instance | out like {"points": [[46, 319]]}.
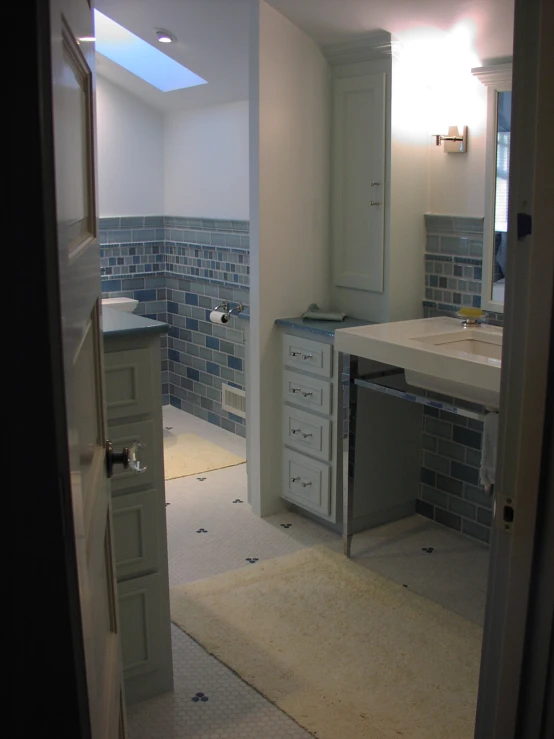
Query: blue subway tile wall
{"points": [[180, 269], [450, 493], [453, 263], [449, 490]]}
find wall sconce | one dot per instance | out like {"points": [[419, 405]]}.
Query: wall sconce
{"points": [[454, 142]]}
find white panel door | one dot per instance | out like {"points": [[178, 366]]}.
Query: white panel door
{"points": [[79, 275], [359, 182]]}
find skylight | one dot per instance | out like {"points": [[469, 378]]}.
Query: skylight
{"points": [[140, 58]]}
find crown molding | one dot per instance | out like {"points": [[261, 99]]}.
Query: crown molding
{"points": [[374, 45], [495, 73]]}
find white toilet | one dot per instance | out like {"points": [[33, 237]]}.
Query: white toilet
{"points": [[127, 305]]}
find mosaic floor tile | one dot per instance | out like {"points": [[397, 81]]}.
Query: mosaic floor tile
{"points": [[455, 577]]}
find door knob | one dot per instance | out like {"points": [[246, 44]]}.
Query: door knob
{"points": [[131, 457]]}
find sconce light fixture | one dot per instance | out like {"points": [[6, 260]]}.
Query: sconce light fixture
{"points": [[454, 142]]}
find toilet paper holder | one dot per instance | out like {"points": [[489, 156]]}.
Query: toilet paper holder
{"points": [[224, 308]]}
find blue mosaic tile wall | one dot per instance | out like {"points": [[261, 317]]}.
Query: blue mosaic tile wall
{"points": [[180, 269], [449, 492]]}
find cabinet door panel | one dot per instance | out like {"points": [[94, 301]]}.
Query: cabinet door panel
{"points": [[129, 383], [359, 182], [135, 526]]}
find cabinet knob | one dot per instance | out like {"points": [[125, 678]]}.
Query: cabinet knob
{"points": [[306, 484], [307, 436], [296, 431], [374, 184], [307, 356], [307, 395], [296, 389], [374, 202], [295, 354]]}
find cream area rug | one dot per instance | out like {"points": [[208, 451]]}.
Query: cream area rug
{"points": [[189, 454], [344, 652]]}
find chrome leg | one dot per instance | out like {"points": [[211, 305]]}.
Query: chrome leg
{"points": [[349, 462]]}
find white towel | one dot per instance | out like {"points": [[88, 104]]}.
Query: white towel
{"points": [[488, 454]]}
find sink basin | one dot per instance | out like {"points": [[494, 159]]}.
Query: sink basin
{"points": [[470, 341], [437, 354], [127, 305]]}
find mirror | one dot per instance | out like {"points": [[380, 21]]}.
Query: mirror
{"points": [[497, 76], [501, 180]]}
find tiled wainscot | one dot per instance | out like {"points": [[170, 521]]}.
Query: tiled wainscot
{"points": [[450, 493], [180, 269]]}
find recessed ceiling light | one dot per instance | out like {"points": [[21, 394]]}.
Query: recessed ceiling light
{"points": [[164, 37]]}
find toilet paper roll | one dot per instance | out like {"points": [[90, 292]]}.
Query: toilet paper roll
{"points": [[217, 316]]}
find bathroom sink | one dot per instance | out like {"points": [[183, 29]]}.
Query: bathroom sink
{"points": [[127, 305], [437, 354], [471, 341]]}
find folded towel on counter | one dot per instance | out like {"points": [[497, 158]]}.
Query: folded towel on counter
{"points": [[315, 313], [488, 455]]}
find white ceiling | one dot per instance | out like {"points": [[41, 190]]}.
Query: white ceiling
{"points": [[333, 21], [213, 35], [212, 41]]}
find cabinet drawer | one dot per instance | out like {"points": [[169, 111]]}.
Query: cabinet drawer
{"points": [[141, 626], [312, 356], [306, 482], [306, 432], [307, 391], [129, 383], [124, 435], [135, 530]]}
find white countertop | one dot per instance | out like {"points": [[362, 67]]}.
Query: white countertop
{"points": [[403, 344]]}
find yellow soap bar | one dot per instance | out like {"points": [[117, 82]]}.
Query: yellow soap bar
{"points": [[471, 312]]}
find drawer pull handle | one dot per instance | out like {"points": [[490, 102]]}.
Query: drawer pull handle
{"points": [[296, 431], [307, 395], [295, 354], [296, 390], [298, 479], [307, 356], [307, 436]]}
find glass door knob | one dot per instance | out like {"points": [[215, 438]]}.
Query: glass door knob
{"points": [[131, 457]]}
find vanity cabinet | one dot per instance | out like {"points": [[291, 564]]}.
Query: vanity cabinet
{"points": [[312, 425], [380, 144], [132, 367], [337, 437]]}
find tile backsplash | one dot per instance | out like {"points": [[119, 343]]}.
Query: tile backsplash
{"points": [[449, 490], [180, 269], [453, 262]]}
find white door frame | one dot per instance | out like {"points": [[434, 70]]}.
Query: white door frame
{"points": [[524, 483]]}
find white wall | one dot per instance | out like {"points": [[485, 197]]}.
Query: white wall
{"points": [[457, 181], [130, 153], [206, 162], [289, 221]]}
